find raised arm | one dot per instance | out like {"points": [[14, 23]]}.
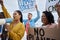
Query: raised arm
{"points": [[6, 14], [38, 14]]}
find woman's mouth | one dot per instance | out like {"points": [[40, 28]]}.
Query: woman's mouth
{"points": [[14, 17]]}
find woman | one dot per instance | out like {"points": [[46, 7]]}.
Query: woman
{"points": [[16, 29], [48, 20]]}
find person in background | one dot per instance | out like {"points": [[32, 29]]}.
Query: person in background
{"points": [[8, 18], [3, 32], [16, 28], [6, 14], [48, 18], [31, 22], [27, 22]]}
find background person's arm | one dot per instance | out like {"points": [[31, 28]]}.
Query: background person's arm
{"points": [[6, 14], [38, 14]]}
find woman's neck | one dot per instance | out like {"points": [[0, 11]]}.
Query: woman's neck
{"points": [[16, 21], [46, 24]]}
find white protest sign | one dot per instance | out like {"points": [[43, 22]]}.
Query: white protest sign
{"points": [[50, 5]]}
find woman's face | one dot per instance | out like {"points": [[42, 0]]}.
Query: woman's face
{"points": [[16, 16], [44, 19]]}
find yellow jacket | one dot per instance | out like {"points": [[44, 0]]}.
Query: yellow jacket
{"points": [[6, 14], [17, 32]]}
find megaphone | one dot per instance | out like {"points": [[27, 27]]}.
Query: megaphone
{"points": [[6, 20]]}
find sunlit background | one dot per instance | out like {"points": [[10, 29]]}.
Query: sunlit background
{"points": [[12, 5]]}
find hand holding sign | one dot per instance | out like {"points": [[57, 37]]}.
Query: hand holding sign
{"points": [[36, 7]]}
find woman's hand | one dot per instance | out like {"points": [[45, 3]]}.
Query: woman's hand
{"points": [[7, 27], [36, 7], [1, 2]]}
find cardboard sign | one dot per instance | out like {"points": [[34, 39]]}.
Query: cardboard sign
{"points": [[43, 34]]}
